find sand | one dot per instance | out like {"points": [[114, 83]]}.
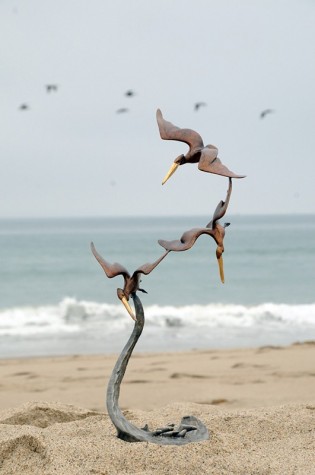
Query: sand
{"points": [[258, 404]]}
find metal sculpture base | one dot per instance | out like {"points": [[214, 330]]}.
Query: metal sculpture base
{"points": [[190, 428]]}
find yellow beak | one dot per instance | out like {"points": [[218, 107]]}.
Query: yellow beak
{"points": [[128, 308], [221, 270], [170, 172]]}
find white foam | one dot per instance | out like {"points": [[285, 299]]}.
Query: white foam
{"points": [[73, 316]]}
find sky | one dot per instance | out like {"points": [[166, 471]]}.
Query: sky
{"points": [[72, 154]]}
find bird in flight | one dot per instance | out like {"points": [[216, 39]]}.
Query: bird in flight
{"points": [[130, 93], [205, 156], [122, 110], [198, 105], [265, 112], [213, 229], [24, 107], [131, 282], [51, 88]]}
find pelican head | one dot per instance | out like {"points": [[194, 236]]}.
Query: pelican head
{"points": [[180, 160], [124, 298], [131, 287], [219, 233]]}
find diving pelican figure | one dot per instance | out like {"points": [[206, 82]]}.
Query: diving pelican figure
{"points": [[205, 156], [213, 229], [131, 283]]}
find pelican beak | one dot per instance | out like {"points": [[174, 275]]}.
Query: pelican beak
{"points": [[128, 308], [221, 269], [170, 172]]}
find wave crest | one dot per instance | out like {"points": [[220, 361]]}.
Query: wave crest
{"points": [[73, 316]]}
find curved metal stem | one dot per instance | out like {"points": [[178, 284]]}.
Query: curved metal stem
{"points": [[190, 429]]}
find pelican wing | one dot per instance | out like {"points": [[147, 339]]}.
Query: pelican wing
{"points": [[147, 268], [169, 131], [222, 207], [210, 163], [111, 270], [187, 240]]}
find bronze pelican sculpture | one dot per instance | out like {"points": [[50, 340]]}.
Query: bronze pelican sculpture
{"points": [[213, 229], [131, 283], [205, 156]]}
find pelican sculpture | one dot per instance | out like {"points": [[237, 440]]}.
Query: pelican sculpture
{"points": [[131, 283], [213, 229], [205, 156]]}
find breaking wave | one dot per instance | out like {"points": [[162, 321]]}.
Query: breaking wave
{"points": [[76, 316]]}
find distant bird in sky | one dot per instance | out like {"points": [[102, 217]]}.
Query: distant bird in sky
{"points": [[131, 282], [198, 105], [130, 93], [213, 229], [122, 110], [265, 112], [205, 156], [24, 107], [51, 88]]}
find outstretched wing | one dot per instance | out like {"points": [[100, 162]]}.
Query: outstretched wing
{"points": [[210, 163], [111, 270], [222, 207], [187, 240], [147, 268], [169, 131]]}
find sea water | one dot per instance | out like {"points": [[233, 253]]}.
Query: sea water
{"points": [[56, 299]]}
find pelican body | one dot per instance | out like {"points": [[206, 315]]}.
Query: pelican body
{"points": [[131, 282], [213, 229], [205, 156]]}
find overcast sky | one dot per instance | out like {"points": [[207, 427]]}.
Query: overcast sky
{"points": [[72, 154]]}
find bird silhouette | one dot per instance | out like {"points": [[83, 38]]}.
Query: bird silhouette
{"points": [[198, 105], [51, 88], [24, 107], [205, 156], [265, 112], [131, 282], [129, 93], [213, 229], [122, 110]]}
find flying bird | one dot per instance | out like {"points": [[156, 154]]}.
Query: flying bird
{"points": [[51, 88], [213, 229], [205, 156], [122, 110], [131, 283], [130, 93], [24, 107], [266, 112], [198, 105]]}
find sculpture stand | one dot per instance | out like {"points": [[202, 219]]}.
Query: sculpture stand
{"points": [[190, 428]]}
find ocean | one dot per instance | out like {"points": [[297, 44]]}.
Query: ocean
{"points": [[56, 299]]}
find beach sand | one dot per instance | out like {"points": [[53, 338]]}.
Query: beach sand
{"points": [[258, 405]]}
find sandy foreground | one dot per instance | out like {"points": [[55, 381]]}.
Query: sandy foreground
{"points": [[258, 404]]}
